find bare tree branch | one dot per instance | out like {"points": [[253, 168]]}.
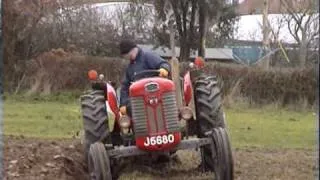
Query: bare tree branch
{"points": [[302, 23]]}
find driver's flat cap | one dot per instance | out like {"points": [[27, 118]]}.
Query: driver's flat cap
{"points": [[126, 46]]}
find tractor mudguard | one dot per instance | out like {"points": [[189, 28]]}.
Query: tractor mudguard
{"points": [[112, 107], [187, 88], [188, 92]]}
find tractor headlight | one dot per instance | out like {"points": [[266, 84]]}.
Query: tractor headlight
{"points": [[191, 65], [101, 77], [186, 113]]}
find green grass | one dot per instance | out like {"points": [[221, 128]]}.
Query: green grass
{"points": [[271, 127], [41, 119], [267, 127]]}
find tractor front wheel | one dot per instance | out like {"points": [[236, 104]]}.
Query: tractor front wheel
{"points": [[220, 158], [99, 162]]}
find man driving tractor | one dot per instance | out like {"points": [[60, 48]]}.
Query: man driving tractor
{"points": [[139, 60]]}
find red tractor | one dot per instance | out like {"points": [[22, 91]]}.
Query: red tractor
{"points": [[161, 123]]}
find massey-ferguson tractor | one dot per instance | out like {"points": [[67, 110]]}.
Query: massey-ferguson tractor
{"points": [[167, 115]]}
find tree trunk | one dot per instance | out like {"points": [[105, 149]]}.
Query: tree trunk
{"points": [[203, 23], [181, 26], [265, 63], [172, 41], [303, 51], [184, 50]]}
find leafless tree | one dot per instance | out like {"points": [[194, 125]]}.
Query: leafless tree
{"points": [[18, 22], [31, 27], [215, 17], [85, 27], [134, 20], [302, 20], [192, 20]]}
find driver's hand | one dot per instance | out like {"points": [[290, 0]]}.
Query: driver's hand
{"points": [[123, 110], [163, 72]]}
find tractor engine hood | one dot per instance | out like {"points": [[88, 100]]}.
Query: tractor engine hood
{"points": [[155, 114]]}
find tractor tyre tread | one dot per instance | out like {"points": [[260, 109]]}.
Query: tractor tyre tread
{"points": [[94, 119], [208, 100], [99, 162]]}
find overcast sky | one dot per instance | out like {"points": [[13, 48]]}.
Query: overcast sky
{"points": [[249, 28]]}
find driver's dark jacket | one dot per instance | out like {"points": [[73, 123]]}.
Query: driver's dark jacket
{"points": [[144, 61]]}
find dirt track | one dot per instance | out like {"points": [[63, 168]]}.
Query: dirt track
{"points": [[26, 158]]}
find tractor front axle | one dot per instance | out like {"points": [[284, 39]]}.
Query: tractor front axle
{"points": [[128, 151]]}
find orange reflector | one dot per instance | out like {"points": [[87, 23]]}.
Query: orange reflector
{"points": [[93, 75], [199, 62]]}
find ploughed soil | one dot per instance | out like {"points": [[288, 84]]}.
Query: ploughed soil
{"points": [[29, 158]]}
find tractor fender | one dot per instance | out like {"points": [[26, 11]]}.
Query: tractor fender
{"points": [[112, 107], [187, 88]]}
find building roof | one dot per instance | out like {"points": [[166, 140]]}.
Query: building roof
{"points": [[211, 53]]}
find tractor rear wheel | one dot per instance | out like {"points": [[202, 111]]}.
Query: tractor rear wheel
{"points": [[208, 102], [99, 162], [94, 120]]}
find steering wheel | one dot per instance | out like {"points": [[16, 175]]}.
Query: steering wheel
{"points": [[146, 74]]}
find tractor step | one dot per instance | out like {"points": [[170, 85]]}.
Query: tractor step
{"points": [[134, 151]]}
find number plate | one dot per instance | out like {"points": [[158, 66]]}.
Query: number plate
{"points": [[159, 140]]}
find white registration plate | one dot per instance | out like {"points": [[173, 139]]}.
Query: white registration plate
{"points": [[159, 140]]}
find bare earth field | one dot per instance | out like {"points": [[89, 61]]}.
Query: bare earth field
{"points": [[35, 159], [285, 143]]}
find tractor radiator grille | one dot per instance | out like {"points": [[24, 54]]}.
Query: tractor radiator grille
{"points": [[170, 111], [139, 116], [165, 116]]}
